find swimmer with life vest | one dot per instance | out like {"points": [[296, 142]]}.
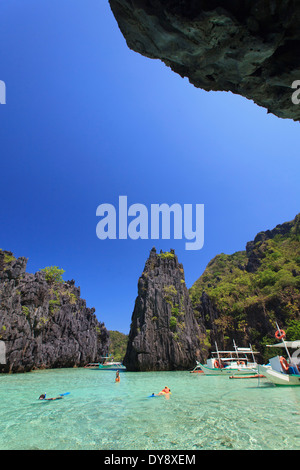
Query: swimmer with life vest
{"points": [[166, 391], [117, 376]]}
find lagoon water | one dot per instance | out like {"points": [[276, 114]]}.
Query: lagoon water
{"points": [[202, 412]]}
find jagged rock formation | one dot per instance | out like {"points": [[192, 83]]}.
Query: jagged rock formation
{"points": [[45, 325], [164, 334], [240, 296], [248, 47]]}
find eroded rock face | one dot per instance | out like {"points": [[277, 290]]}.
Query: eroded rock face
{"points": [[45, 325], [248, 47], [164, 334]]}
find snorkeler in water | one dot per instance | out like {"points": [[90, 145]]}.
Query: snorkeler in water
{"points": [[43, 397]]}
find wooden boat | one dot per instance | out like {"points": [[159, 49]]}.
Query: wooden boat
{"points": [[241, 361], [107, 363]]}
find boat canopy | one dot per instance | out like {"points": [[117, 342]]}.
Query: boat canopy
{"points": [[289, 344], [247, 350], [244, 350]]}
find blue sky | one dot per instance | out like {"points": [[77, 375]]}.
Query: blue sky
{"points": [[87, 120]]}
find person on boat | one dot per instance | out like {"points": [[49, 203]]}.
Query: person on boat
{"points": [[43, 397], [117, 376], [293, 369]]}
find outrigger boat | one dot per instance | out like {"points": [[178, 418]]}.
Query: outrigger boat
{"points": [[107, 363], [281, 371], [241, 361]]}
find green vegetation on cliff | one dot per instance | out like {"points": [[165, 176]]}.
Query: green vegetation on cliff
{"points": [[262, 281], [167, 255], [53, 274]]}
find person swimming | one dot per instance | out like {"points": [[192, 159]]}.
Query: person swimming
{"points": [[43, 397], [117, 376], [165, 391]]}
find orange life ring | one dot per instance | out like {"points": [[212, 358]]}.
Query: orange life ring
{"points": [[240, 363], [217, 365], [284, 364], [280, 334]]}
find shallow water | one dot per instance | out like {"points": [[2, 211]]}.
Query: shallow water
{"points": [[202, 412]]}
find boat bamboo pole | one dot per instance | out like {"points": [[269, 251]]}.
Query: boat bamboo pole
{"points": [[236, 351], [253, 358], [218, 353], [286, 348]]}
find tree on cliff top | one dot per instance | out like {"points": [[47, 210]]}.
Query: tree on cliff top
{"points": [[53, 274]]}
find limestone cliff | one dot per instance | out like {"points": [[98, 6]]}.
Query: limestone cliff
{"points": [[240, 296], [45, 324], [164, 334], [248, 47]]}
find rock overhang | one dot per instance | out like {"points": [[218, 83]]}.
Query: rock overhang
{"points": [[247, 47]]}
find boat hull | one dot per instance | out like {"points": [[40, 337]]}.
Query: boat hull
{"points": [[227, 371], [111, 367], [278, 378]]}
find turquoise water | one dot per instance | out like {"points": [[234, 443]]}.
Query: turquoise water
{"points": [[202, 412]]}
